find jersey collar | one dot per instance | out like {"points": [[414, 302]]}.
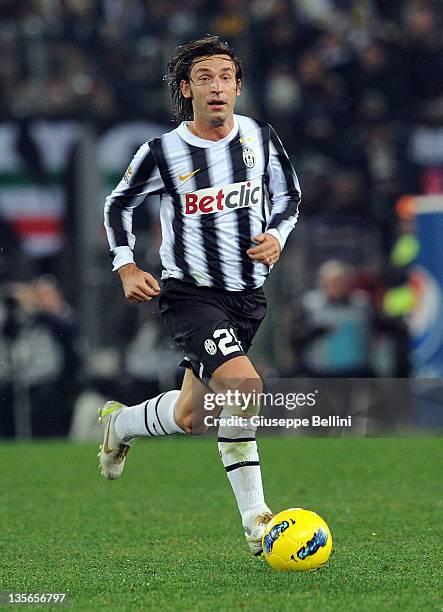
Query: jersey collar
{"points": [[185, 133]]}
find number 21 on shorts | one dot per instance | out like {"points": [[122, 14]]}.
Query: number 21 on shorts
{"points": [[227, 341]]}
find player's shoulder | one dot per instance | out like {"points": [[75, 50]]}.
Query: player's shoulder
{"points": [[139, 157], [245, 121]]}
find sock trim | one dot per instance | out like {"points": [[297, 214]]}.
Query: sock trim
{"points": [[146, 419], [236, 439], [156, 412], [241, 464]]}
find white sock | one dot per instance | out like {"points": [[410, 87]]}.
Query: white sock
{"points": [[238, 452], [155, 417]]}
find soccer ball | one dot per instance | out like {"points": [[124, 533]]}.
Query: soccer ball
{"points": [[297, 540]]}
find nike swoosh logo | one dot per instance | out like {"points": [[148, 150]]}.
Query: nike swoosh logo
{"points": [[185, 177], [106, 448]]}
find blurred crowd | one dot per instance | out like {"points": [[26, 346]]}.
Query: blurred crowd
{"points": [[320, 60], [40, 359], [317, 65], [344, 82]]}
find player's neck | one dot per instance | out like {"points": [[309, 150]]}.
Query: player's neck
{"points": [[201, 128]]}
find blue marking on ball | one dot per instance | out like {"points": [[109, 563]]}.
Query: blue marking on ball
{"points": [[319, 539], [273, 535]]}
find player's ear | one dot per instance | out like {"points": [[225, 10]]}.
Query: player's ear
{"points": [[238, 88], [185, 88]]}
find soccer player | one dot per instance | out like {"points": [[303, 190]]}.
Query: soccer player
{"points": [[229, 199]]}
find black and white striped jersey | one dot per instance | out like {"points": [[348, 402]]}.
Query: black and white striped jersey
{"points": [[215, 197]]}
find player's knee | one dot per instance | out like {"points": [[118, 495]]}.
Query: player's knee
{"points": [[243, 396]]}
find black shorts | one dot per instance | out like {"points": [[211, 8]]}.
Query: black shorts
{"points": [[210, 325]]}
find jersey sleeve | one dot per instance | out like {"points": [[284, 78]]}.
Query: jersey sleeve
{"points": [[142, 178], [284, 191]]}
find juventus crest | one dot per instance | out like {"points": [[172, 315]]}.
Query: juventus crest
{"points": [[249, 157]]}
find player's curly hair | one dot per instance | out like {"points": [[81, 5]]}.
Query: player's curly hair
{"points": [[180, 65]]}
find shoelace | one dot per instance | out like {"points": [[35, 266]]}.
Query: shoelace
{"points": [[264, 518], [122, 452]]}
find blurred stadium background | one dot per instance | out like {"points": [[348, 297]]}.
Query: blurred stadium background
{"points": [[354, 88]]}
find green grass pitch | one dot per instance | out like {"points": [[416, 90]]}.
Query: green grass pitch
{"points": [[167, 534]]}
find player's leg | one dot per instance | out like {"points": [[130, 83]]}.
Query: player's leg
{"points": [[236, 443], [171, 412], [176, 411], [238, 447]]}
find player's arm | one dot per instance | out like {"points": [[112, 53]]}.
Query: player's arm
{"points": [[285, 194], [138, 285], [142, 178]]}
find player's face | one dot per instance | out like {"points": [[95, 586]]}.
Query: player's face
{"points": [[213, 88]]}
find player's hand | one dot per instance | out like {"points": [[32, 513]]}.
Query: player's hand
{"points": [[268, 249], [139, 286]]}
